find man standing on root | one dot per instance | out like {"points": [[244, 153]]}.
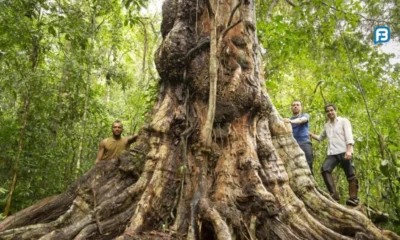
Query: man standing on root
{"points": [[299, 123], [340, 150], [112, 147]]}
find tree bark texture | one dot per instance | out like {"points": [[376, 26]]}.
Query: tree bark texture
{"points": [[251, 182]]}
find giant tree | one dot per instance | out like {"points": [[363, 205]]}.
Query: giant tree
{"points": [[215, 161]]}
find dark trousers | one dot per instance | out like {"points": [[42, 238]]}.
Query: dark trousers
{"points": [[307, 149], [332, 161]]}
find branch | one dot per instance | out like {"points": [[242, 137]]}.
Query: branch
{"points": [[230, 27], [233, 11], [154, 29], [291, 3], [209, 8], [318, 84], [360, 15], [203, 44], [199, 46], [322, 95], [274, 2], [334, 8], [315, 90], [97, 28], [145, 49]]}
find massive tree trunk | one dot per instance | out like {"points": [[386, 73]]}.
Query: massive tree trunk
{"points": [[250, 180]]}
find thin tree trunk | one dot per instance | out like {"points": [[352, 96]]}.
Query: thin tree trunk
{"points": [[34, 60], [145, 49], [87, 90], [20, 149]]}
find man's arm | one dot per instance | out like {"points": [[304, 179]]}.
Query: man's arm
{"points": [[314, 136], [132, 139], [318, 137], [348, 133], [299, 120], [349, 138], [100, 152]]}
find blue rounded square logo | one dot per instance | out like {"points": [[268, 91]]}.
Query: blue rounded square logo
{"points": [[381, 34]]}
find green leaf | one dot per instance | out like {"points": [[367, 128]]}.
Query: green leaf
{"points": [[52, 31], [384, 167], [3, 190]]}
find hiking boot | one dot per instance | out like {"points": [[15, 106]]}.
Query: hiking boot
{"points": [[330, 185], [335, 196], [353, 189]]}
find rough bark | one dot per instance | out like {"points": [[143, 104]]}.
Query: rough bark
{"points": [[251, 182]]}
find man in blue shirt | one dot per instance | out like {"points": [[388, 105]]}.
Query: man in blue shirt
{"points": [[299, 122]]}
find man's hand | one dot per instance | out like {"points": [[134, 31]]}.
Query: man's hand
{"points": [[132, 139], [348, 155], [349, 152], [287, 120], [312, 135]]}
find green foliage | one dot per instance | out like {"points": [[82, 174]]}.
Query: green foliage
{"points": [[66, 60]]}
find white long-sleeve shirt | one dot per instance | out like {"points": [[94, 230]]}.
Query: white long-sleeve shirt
{"points": [[339, 135]]}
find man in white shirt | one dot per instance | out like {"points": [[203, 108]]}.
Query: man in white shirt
{"points": [[340, 151]]}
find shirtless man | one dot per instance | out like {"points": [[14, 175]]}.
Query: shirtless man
{"points": [[112, 147]]}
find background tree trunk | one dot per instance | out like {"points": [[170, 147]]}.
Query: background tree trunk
{"points": [[88, 86], [20, 148], [251, 182], [34, 59]]}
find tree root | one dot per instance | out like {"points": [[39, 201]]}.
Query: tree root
{"points": [[78, 210], [332, 215], [208, 213]]}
